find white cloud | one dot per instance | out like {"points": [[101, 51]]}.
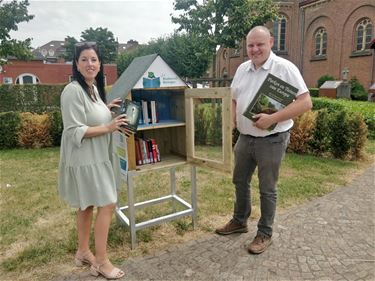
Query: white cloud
{"points": [[137, 20]]}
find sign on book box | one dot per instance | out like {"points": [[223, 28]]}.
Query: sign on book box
{"points": [[274, 94]]}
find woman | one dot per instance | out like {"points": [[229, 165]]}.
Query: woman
{"points": [[86, 177]]}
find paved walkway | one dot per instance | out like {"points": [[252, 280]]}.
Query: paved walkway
{"points": [[330, 238]]}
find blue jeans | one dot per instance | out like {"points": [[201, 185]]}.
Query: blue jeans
{"points": [[266, 154]]}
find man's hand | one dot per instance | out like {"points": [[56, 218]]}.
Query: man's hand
{"points": [[264, 121]]}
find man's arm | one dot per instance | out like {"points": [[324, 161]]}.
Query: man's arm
{"points": [[300, 105]]}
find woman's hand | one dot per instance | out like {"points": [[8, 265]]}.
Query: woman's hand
{"points": [[114, 103], [117, 123]]}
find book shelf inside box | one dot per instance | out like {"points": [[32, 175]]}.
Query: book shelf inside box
{"points": [[170, 130]]}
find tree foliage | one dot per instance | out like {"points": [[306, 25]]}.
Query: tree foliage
{"points": [[11, 14], [184, 53], [104, 39], [222, 22]]}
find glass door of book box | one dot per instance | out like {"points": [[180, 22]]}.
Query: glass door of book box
{"points": [[182, 125], [161, 137], [208, 127]]}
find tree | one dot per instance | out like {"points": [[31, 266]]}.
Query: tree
{"points": [[182, 52], [186, 55], [222, 22], [11, 14], [69, 48], [104, 39]]}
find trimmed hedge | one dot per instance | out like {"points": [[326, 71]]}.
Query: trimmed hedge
{"points": [[10, 125], [338, 134], [30, 98], [366, 109], [30, 130]]}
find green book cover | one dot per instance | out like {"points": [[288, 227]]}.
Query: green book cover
{"points": [[274, 94]]}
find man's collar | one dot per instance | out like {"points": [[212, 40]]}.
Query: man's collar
{"points": [[265, 66]]}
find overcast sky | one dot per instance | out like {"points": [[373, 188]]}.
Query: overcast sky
{"points": [[140, 20]]}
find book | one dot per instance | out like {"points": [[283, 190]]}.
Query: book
{"points": [[274, 94], [132, 111], [146, 119], [138, 155], [153, 112]]}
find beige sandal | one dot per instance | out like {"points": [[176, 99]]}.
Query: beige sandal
{"points": [[82, 259], [116, 273]]}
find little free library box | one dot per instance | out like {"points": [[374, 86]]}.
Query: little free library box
{"points": [[166, 133]]}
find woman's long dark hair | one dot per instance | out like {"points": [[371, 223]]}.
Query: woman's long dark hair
{"points": [[99, 79]]}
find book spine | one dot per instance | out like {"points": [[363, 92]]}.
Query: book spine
{"points": [[138, 154], [144, 152], [153, 112], [145, 112], [154, 151], [151, 155]]}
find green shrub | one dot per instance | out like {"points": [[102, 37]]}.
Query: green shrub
{"points": [[340, 135], [200, 125], [56, 127], [30, 98], [320, 142], [358, 131], [366, 109], [314, 92], [326, 103], [10, 125], [323, 79], [358, 92], [208, 123]]}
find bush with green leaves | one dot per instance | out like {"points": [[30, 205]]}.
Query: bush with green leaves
{"points": [[208, 123], [319, 144], [323, 79], [364, 108], [56, 127], [30, 98], [339, 134], [10, 125], [358, 92], [314, 92]]}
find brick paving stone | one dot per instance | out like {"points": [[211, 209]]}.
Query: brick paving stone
{"points": [[329, 238]]}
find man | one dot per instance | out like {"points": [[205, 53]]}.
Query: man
{"points": [[257, 146]]}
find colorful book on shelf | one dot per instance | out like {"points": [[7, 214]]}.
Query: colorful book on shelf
{"points": [[138, 155], [153, 112], [273, 95], [155, 151], [146, 119]]}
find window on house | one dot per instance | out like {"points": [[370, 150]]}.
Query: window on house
{"points": [[224, 72], [225, 54], [364, 34], [27, 78], [321, 42], [279, 34]]}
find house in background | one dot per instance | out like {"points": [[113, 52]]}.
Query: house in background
{"points": [[52, 52], [49, 66], [320, 37], [38, 71]]}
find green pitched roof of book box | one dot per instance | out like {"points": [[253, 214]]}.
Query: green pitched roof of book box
{"points": [[149, 71]]}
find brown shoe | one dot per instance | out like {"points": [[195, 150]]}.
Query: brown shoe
{"points": [[232, 227], [259, 244]]}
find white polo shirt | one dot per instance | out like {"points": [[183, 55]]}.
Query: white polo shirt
{"points": [[247, 81]]}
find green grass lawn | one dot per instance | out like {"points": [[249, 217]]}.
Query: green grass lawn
{"points": [[38, 236]]}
